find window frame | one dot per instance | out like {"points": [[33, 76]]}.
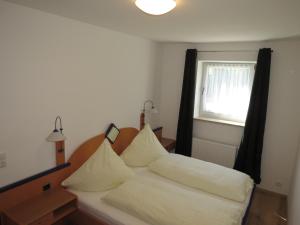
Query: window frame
{"points": [[199, 113]]}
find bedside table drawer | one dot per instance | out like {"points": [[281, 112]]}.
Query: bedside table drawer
{"points": [[45, 220]]}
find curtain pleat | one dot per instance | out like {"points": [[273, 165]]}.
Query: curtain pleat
{"points": [[249, 154], [186, 112]]}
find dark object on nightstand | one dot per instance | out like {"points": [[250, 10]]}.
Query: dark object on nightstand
{"points": [[45, 209]]}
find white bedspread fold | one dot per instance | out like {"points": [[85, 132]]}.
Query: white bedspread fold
{"points": [[161, 204], [209, 177]]}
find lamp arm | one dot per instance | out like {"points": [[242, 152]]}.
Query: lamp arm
{"points": [[60, 123], [145, 103]]}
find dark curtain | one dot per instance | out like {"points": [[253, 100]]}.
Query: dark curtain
{"points": [[249, 155], [186, 112]]}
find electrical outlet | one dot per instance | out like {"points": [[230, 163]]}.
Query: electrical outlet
{"points": [[46, 187], [2, 160]]}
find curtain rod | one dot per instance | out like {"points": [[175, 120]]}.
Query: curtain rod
{"points": [[233, 51]]}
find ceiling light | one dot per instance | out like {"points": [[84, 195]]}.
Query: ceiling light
{"points": [[156, 7]]}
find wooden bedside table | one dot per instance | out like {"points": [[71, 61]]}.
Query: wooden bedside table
{"points": [[45, 209], [169, 144]]}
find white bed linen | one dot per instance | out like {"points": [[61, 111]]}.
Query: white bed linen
{"points": [[209, 177], [91, 202]]}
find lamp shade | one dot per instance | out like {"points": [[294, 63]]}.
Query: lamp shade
{"points": [[156, 7], [56, 136]]}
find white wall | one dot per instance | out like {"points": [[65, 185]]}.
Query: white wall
{"points": [[294, 195], [282, 130], [49, 66], [52, 66]]}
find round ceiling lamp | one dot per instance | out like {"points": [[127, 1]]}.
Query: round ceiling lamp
{"points": [[156, 7]]}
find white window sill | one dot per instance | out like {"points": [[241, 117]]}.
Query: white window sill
{"points": [[227, 122]]}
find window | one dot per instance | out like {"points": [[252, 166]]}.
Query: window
{"points": [[223, 90]]}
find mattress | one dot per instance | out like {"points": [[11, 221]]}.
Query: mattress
{"points": [[91, 202]]}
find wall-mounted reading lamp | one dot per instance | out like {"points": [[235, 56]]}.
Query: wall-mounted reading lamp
{"points": [[58, 137], [151, 110]]}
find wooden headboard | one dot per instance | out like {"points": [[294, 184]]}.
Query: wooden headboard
{"points": [[85, 150], [81, 154]]}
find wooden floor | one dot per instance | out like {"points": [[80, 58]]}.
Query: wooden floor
{"points": [[267, 209]]}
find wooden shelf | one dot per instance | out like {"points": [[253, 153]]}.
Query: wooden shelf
{"points": [[46, 208]]}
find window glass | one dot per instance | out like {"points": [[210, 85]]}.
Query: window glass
{"points": [[225, 90]]}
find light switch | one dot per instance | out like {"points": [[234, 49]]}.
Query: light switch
{"points": [[2, 160]]}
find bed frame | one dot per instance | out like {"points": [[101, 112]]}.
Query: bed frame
{"points": [[81, 154], [87, 149]]}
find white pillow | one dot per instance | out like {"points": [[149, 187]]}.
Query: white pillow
{"points": [[144, 149], [102, 171]]}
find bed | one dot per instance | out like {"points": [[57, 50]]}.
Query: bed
{"points": [[91, 203]]}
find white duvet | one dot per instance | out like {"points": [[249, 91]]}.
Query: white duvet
{"points": [[212, 178], [161, 204]]}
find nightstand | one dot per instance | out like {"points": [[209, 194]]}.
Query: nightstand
{"points": [[169, 144], [45, 209]]}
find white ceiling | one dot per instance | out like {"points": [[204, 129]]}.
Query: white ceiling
{"points": [[191, 21]]}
